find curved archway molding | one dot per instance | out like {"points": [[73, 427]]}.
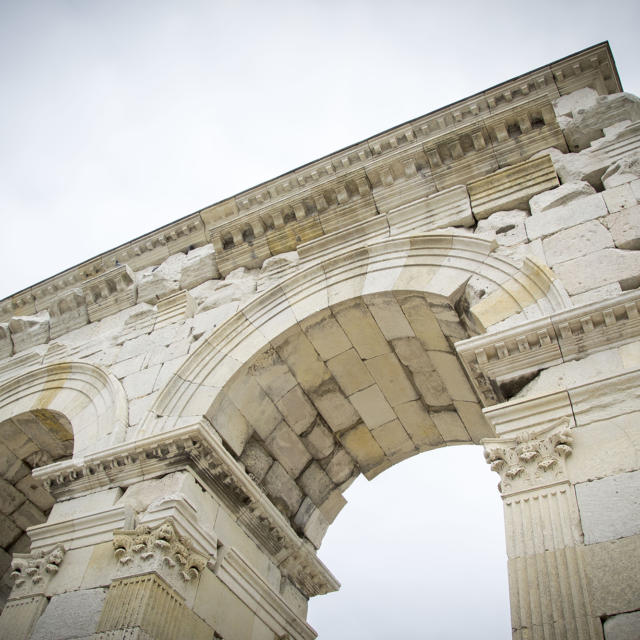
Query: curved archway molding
{"points": [[91, 399], [435, 264]]}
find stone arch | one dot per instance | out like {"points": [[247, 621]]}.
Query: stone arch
{"points": [[439, 265], [349, 367], [92, 402], [27, 440]]}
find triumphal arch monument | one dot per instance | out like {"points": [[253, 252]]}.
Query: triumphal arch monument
{"points": [[180, 416]]}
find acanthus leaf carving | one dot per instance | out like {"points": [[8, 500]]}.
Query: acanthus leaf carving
{"points": [[530, 459], [163, 543], [36, 566]]}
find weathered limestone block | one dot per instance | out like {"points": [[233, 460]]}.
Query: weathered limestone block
{"points": [[610, 507], [141, 383], [448, 208], [311, 522], [560, 196], [575, 102], [597, 269], [256, 460], [624, 170], [29, 331], [283, 491], [586, 166], [555, 219], [612, 571], [73, 614], [155, 283], [624, 626], [513, 187], [276, 268], [624, 226], [110, 292], [68, 312], [577, 241], [199, 266], [588, 122], [506, 227], [239, 285], [340, 467], [6, 345], [620, 197], [19, 617]]}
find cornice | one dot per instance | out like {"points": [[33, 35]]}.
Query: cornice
{"points": [[196, 447], [453, 145], [494, 361]]}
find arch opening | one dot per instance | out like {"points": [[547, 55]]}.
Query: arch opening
{"points": [[28, 440], [353, 388], [393, 545]]}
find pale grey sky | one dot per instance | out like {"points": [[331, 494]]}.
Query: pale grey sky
{"points": [[117, 117]]}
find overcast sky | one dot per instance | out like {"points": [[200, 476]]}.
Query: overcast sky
{"points": [[117, 117]]}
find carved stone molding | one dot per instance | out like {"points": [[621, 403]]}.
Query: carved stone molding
{"points": [[163, 543], [497, 359], [194, 447], [531, 459], [31, 571]]}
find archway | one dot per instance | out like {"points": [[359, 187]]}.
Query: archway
{"points": [[419, 554], [27, 440], [47, 416]]}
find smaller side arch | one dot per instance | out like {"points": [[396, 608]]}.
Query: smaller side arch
{"points": [[92, 400]]}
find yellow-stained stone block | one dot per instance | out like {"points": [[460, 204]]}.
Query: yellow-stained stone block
{"points": [[474, 421], [350, 372], [452, 375], [393, 438], [362, 446], [372, 406], [450, 426], [363, 331], [389, 316], [391, 378], [326, 335], [419, 425], [423, 322], [337, 411], [297, 410], [287, 238]]}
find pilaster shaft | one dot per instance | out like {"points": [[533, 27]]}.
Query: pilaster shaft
{"points": [[548, 592]]}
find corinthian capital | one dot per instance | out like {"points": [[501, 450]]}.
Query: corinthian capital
{"points": [[532, 459]]}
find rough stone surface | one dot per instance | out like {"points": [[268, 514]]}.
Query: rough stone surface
{"points": [[625, 228], [73, 614], [624, 170], [577, 241], [28, 331], [624, 626], [553, 220], [589, 120], [600, 268], [562, 195], [610, 508], [198, 267], [506, 227], [575, 102]]}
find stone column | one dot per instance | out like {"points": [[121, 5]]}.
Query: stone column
{"points": [[547, 586]]}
